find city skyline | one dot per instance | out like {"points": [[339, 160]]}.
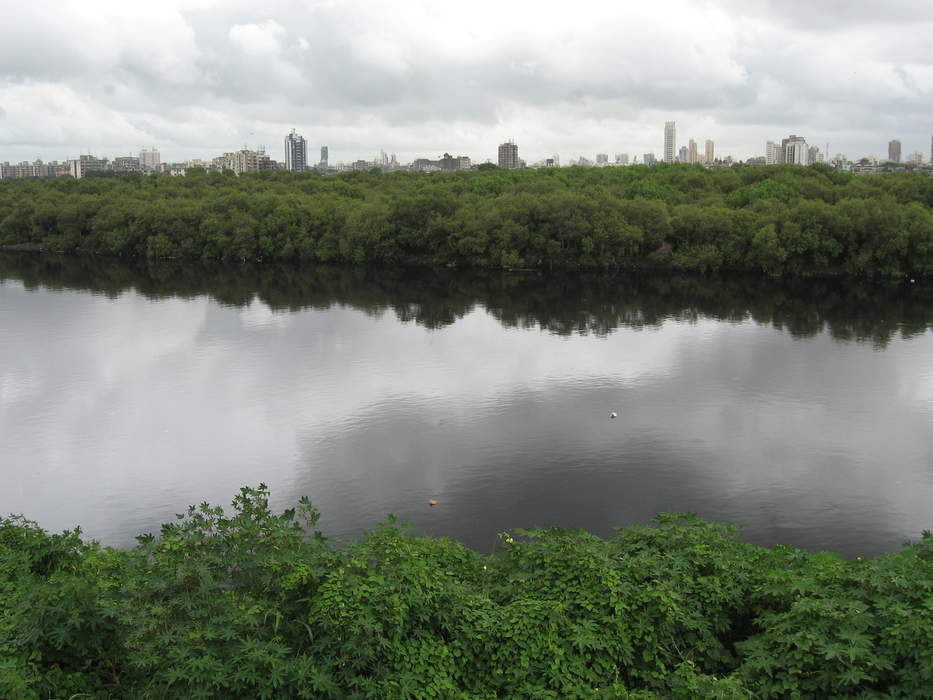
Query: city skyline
{"points": [[197, 77], [793, 150]]}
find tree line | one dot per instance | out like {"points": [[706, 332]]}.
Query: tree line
{"points": [[253, 605], [773, 219]]}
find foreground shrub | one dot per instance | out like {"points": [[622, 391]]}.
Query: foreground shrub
{"points": [[254, 605]]}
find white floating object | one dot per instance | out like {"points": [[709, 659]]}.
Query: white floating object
{"points": [[613, 414]]}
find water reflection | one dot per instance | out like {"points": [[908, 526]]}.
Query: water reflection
{"points": [[566, 304], [373, 392]]}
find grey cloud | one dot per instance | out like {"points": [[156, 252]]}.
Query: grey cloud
{"points": [[335, 68]]}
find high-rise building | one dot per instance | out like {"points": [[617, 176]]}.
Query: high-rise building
{"points": [[894, 151], [296, 152], [670, 141], [602, 159], [324, 157], [794, 150], [692, 154], [682, 155], [508, 155], [150, 160], [797, 153], [710, 151], [773, 154], [621, 158], [649, 159]]}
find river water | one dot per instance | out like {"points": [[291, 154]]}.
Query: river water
{"points": [[800, 410]]}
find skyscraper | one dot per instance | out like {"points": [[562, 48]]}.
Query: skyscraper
{"points": [[894, 151], [324, 157], [150, 160], [710, 151], [670, 141], [682, 155], [296, 152], [508, 155]]}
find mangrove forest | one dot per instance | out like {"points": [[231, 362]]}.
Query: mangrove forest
{"points": [[772, 219]]}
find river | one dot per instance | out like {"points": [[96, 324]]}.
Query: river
{"points": [[800, 410]]}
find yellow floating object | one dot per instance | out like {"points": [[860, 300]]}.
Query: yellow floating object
{"points": [[432, 502]]}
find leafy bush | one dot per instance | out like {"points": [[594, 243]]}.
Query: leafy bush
{"points": [[254, 605]]}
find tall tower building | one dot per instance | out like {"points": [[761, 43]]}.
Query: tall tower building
{"points": [[710, 151], [296, 152], [894, 151], [508, 155], [324, 156], [670, 141], [150, 160]]}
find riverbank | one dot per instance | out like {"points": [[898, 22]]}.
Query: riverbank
{"points": [[248, 605]]}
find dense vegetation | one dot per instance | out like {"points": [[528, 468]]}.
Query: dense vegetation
{"points": [[772, 219], [250, 606], [874, 310]]}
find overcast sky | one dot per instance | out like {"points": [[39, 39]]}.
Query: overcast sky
{"points": [[195, 78]]}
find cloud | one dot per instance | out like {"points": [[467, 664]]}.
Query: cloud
{"points": [[258, 39], [197, 77]]}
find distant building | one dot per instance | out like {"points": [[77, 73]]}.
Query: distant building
{"points": [[622, 159], [814, 155], [324, 157], [448, 162], [425, 165], [244, 161], [710, 155], [83, 165], [35, 169], [682, 155], [602, 159], [649, 159], [894, 151], [693, 156], [916, 158], [795, 150], [756, 160], [296, 152], [773, 154], [670, 141], [508, 155], [150, 160], [127, 164], [549, 163]]}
